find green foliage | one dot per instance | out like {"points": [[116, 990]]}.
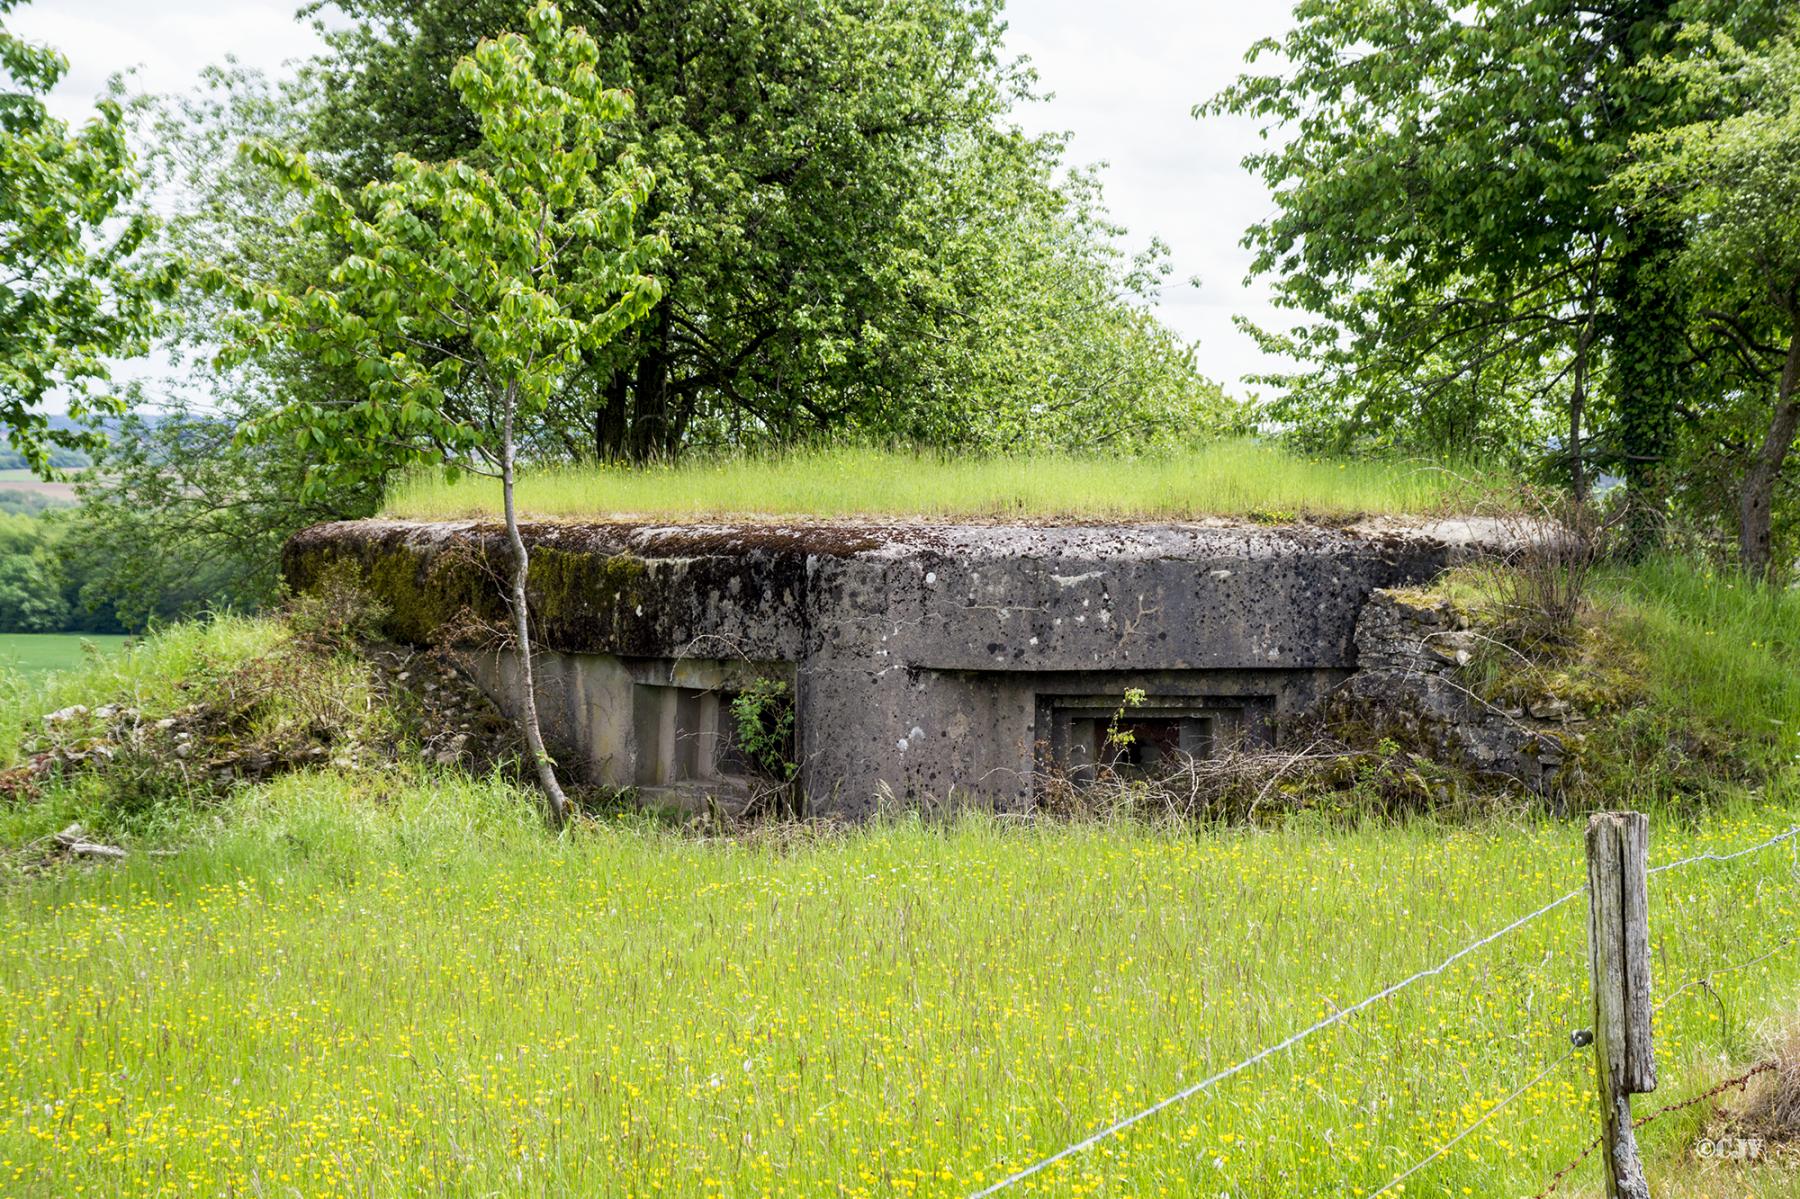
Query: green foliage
{"points": [[1683, 679], [1446, 223], [44, 582], [183, 518], [764, 714], [861, 239], [1727, 179], [71, 294], [1118, 739], [467, 292], [31, 586]]}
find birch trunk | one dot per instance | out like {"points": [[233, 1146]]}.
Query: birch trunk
{"points": [[556, 804]]}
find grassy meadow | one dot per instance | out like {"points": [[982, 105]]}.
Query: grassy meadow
{"points": [[1231, 478], [34, 655], [403, 987]]}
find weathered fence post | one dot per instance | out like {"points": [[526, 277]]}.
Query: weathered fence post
{"points": [[1619, 964]]}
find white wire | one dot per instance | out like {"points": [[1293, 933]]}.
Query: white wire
{"points": [[1548, 1070], [1777, 839], [1450, 1144], [1261, 1054], [1344, 1014]]}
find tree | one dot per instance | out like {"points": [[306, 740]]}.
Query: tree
{"points": [[469, 291], [1728, 179], [840, 180], [1444, 212], [70, 294], [181, 517], [32, 596]]}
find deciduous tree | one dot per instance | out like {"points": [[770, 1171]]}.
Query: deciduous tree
{"points": [[1445, 221], [1728, 179], [469, 290], [71, 294], [862, 239]]}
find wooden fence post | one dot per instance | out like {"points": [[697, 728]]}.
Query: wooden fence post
{"points": [[1619, 965]]}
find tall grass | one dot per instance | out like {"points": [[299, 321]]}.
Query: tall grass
{"points": [[1717, 649], [155, 675], [383, 988], [1237, 478]]}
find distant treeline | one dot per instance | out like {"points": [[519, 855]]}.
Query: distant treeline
{"points": [[60, 458], [45, 585]]}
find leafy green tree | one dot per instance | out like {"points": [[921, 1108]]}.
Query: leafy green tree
{"points": [[31, 585], [1729, 179], [1445, 219], [469, 290], [70, 294], [182, 518], [857, 229], [1054, 348]]}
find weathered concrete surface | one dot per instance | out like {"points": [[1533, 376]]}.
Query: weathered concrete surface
{"points": [[928, 660], [1409, 650]]}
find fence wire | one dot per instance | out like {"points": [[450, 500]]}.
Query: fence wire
{"points": [[1777, 839], [1336, 1017], [1342, 1014], [1699, 980]]}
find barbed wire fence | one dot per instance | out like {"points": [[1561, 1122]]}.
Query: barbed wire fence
{"points": [[1342, 1014]]}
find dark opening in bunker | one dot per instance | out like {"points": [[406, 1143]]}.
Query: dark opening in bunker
{"points": [[685, 734], [1090, 735]]}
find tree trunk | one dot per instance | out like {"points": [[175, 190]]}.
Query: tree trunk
{"points": [[1577, 406], [556, 804], [1756, 516], [1647, 340], [613, 419], [650, 420]]}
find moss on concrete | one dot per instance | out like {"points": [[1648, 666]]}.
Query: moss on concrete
{"points": [[572, 591]]}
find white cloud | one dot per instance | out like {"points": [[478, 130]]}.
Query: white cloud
{"points": [[1125, 77], [167, 41]]}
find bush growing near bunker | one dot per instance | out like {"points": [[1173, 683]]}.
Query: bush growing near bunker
{"points": [[764, 714]]}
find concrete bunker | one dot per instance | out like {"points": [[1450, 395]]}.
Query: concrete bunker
{"points": [[949, 662]]}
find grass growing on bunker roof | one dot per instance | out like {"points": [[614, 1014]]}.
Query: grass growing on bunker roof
{"points": [[1232, 479]]}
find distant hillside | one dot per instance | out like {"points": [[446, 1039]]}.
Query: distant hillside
{"points": [[12, 460]]}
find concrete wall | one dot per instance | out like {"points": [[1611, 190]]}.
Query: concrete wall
{"points": [[926, 660]]}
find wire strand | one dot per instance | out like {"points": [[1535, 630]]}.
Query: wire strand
{"points": [[1777, 839], [1336, 1017], [1342, 1014], [1697, 980], [1456, 1140]]}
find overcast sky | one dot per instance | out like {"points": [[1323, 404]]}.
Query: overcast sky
{"points": [[1124, 76]]}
